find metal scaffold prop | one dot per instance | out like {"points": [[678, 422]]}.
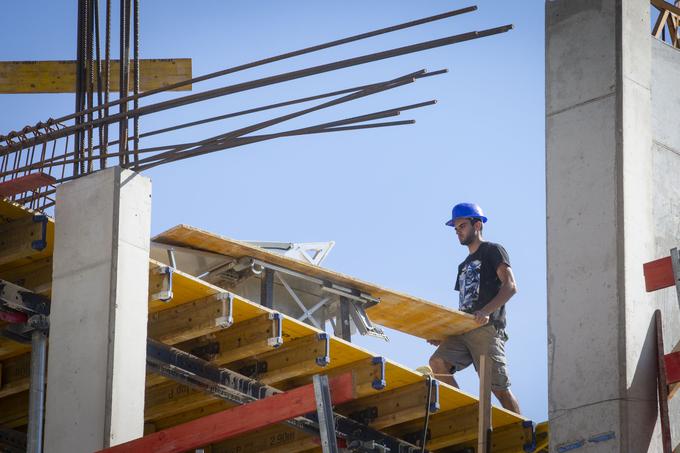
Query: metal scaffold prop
{"points": [[37, 158]]}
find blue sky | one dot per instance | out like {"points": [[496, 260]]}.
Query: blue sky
{"points": [[383, 195]]}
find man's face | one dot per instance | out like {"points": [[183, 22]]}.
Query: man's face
{"points": [[465, 231]]}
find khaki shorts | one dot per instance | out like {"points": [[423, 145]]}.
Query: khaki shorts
{"points": [[460, 351]]}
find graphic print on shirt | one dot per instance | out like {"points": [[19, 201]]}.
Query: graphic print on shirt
{"points": [[468, 282]]}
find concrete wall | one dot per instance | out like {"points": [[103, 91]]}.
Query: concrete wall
{"points": [[612, 204], [666, 168], [97, 351]]}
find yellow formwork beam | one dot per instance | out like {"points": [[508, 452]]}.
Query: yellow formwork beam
{"points": [[292, 364], [59, 76]]}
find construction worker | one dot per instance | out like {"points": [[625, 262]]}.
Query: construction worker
{"points": [[485, 283]]}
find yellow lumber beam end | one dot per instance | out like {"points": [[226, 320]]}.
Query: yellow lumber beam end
{"points": [[23, 77]]}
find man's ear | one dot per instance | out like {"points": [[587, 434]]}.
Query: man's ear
{"points": [[478, 226]]}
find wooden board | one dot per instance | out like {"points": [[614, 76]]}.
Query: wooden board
{"points": [[60, 76], [396, 310], [183, 405], [662, 385]]}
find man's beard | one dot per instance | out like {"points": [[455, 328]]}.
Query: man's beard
{"points": [[467, 240]]}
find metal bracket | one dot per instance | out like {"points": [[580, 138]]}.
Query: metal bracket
{"points": [[324, 410], [530, 445], [367, 446], [326, 358], [416, 437], [434, 402], [254, 369], [381, 383], [277, 330], [23, 300], [40, 244], [365, 416], [363, 323], [206, 351], [227, 319], [165, 294]]}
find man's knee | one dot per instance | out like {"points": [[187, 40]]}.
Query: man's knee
{"points": [[438, 364]]}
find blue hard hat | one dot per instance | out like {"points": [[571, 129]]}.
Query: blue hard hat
{"points": [[466, 210]]}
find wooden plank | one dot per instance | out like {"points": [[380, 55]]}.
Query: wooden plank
{"points": [[659, 24], [15, 376], [10, 212], [672, 365], [484, 422], [14, 410], [238, 420], [673, 388], [661, 4], [391, 407], [25, 184], [9, 348], [662, 385], [514, 438], [658, 274], [300, 357], [448, 428], [171, 398], [187, 321], [398, 311], [159, 424], [278, 438], [23, 239], [59, 76], [35, 276], [242, 340]]}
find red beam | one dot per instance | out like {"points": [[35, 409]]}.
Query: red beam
{"points": [[659, 274], [238, 420], [25, 184], [13, 317], [672, 362]]}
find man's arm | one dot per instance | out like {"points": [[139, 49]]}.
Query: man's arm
{"points": [[507, 290]]}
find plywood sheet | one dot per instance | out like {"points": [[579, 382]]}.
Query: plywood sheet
{"points": [[396, 310]]}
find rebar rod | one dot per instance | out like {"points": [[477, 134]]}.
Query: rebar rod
{"points": [[403, 80], [50, 162], [122, 93], [332, 126], [107, 83], [136, 82], [274, 59]]}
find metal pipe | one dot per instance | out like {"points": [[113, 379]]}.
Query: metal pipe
{"points": [[36, 402]]}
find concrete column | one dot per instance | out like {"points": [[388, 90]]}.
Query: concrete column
{"points": [[600, 227], [97, 351]]}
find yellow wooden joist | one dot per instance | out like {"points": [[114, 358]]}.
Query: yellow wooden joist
{"points": [[59, 76], [170, 403], [396, 310]]}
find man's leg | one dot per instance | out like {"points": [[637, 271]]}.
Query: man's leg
{"points": [[507, 399], [451, 355], [487, 340], [442, 370]]}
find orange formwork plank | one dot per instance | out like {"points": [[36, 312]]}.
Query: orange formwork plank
{"points": [[238, 420], [25, 184], [658, 274]]}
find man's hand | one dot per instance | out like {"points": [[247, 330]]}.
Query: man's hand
{"points": [[434, 342], [481, 318]]}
